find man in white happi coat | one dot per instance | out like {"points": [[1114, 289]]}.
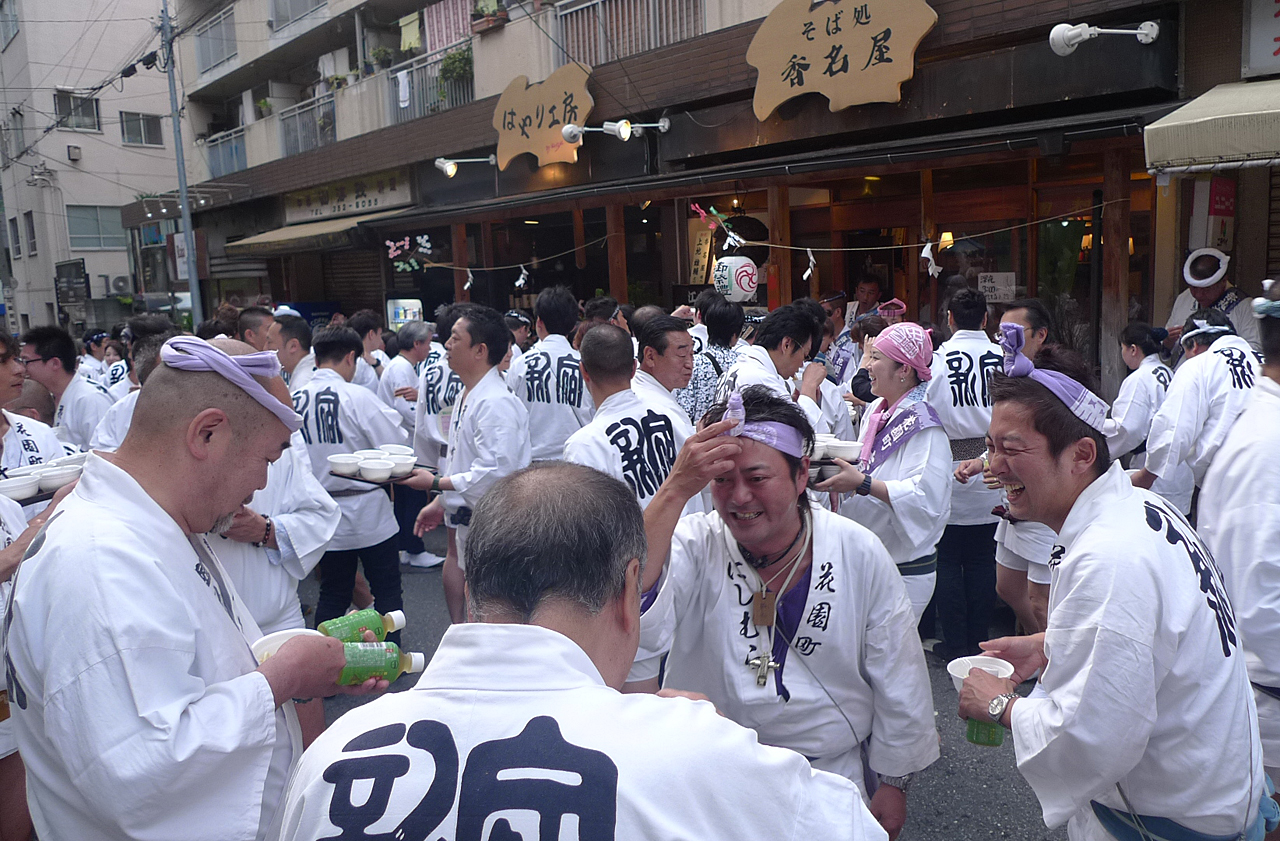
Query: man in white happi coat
{"points": [[488, 438], [369, 365], [1209, 391], [139, 710], [632, 437], [339, 416], [793, 620], [547, 379], [24, 441], [253, 327], [779, 349], [520, 325], [114, 425], [960, 392], [1240, 521], [398, 387], [290, 337], [1144, 706], [48, 354], [517, 729], [1205, 272], [91, 364], [437, 394]]}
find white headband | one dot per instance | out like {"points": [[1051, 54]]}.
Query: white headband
{"points": [[1222, 259], [1203, 327]]}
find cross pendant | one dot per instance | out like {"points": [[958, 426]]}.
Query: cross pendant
{"points": [[763, 664]]}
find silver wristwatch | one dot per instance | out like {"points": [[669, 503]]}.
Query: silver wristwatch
{"points": [[903, 782], [999, 704]]}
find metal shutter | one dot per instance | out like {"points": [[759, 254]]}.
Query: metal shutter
{"points": [[1273, 227], [354, 280]]}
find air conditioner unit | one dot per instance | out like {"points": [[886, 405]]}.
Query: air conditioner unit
{"points": [[119, 285]]}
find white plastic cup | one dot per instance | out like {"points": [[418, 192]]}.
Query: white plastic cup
{"points": [[396, 449], [376, 470], [270, 644], [345, 464], [960, 667]]}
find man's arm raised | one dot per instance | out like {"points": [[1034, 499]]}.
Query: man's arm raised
{"points": [[704, 456]]}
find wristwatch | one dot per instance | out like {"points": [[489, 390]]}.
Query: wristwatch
{"points": [[864, 489], [903, 782], [999, 704]]}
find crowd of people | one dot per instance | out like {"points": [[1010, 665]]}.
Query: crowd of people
{"points": [[651, 518]]}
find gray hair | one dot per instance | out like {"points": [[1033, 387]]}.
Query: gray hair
{"points": [[552, 531], [411, 333]]}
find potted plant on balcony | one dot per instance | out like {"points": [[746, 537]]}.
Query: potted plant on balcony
{"points": [[264, 108], [456, 66], [384, 56], [488, 15]]}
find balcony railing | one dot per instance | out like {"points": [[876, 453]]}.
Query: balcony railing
{"points": [[308, 125], [597, 31], [417, 89], [226, 153]]}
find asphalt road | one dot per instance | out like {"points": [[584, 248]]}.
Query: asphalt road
{"points": [[971, 793]]}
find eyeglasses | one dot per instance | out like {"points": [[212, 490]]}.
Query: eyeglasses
{"points": [[26, 361]]}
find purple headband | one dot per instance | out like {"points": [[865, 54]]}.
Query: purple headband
{"points": [[1082, 402], [783, 438], [187, 353]]}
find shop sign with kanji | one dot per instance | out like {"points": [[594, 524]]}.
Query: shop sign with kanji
{"points": [[530, 118], [366, 194], [850, 51]]}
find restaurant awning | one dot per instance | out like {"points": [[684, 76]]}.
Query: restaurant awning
{"points": [[1232, 126], [325, 235]]}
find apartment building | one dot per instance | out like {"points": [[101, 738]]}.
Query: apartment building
{"points": [[75, 152], [317, 128]]}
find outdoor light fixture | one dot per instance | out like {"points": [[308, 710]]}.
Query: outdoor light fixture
{"points": [[449, 166], [622, 129], [947, 240], [1065, 37]]}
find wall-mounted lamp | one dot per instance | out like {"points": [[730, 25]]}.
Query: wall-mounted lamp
{"points": [[449, 166], [622, 129], [1065, 37], [946, 241]]}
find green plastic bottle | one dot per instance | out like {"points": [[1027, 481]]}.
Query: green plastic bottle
{"points": [[351, 627], [986, 733], [378, 659]]}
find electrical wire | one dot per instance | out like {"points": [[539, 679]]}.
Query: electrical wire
{"points": [[428, 264]]}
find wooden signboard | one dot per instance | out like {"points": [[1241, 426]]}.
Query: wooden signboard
{"points": [[530, 118], [850, 51]]}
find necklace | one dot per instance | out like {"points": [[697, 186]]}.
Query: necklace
{"points": [[764, 603], [764, 561]]}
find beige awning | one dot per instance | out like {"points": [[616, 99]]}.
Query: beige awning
{"points": [[325, 235], [1232, 126]]}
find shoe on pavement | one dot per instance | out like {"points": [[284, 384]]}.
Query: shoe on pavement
{"points": [[422, 560]]}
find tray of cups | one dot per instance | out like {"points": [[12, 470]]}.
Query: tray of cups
{"points": [[374, 467], [38, 482]]}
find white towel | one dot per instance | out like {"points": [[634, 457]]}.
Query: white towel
{"points": [[403, 79]]}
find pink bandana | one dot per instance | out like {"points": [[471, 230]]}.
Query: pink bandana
{"points": [[908, 344]]}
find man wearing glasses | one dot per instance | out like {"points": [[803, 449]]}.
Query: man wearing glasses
{"points": [[1209, 391], [49, 356]]}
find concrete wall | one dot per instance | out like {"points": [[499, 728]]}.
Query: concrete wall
{"points": [[519, 48]]}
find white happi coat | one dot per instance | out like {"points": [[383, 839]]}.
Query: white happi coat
{"points": [[635, 440], [28, 442], [12, 523], [399, 373], [1141, 394], [698, 332], [960, 392], [342, 417], [1239, 518], [1206, 396], [857, 634], [122, 388], [655, 394], [547, 379], [834, 414], [366, 376], [81, 408], [488, 439], [918, 476], [301, 373], [517, 717], [755, 367], [438, 390], [137, 707], [1241, 316], [115, 374], [1145, 685], [304, 517], [91, 368], [1033, 542], [114, 425]]}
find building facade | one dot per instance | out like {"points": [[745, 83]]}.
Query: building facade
{"points": [[75, 152], [316, 136]]}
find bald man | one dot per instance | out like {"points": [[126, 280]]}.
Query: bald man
{"points": [[139, 709]]}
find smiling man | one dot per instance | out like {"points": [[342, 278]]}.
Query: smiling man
{"points": [[1144, 706], [793, 620]]}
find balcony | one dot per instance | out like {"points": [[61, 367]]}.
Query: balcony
{"points": [[226, 153], [308, 125], [599, 31], [425, 85]]}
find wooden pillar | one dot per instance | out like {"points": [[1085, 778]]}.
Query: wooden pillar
{"points": [[579, 240], [928, 230], [460, 263], [616, 229], [1115, 267], [780, 234]]}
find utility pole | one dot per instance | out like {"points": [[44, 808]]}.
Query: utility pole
{"points": [[184, 203]]}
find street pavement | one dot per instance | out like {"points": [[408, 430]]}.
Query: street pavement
{"points": [[971, 794]]}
